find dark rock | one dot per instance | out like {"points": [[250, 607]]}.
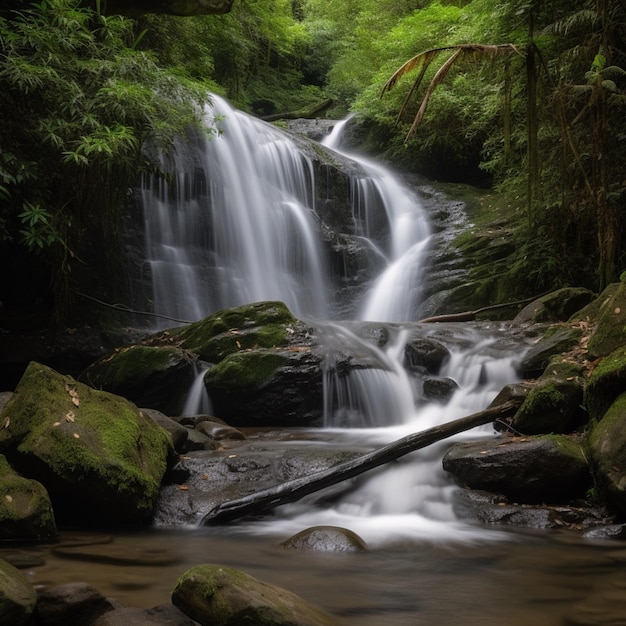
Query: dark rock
{"points": [[26, 512], [440, 389], [557, 341], [163, 615], [531, 470], [198, 441], [427, 353], [73, 603], [17, 596], [215, 594], [610, 531], [606, 383], [178, 432], [219, 432], [609, 332], [326, 539]]}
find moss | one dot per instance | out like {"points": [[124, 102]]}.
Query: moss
{"points": [[244, 371], [606, 383], [256, 315], [91, 438]]}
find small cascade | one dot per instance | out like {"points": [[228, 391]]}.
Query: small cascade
{"points": [[396, 293], [198, 401]]}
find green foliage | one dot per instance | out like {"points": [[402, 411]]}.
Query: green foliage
{"points": [[79, 103]]}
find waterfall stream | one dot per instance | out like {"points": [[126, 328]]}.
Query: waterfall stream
{"points": [[241, 225]]}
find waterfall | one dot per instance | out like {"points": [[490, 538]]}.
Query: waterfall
{"points": [[237, 223]]}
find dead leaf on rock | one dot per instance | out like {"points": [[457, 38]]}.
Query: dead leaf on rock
{"points": [[69, 416], [76, 436], [56, 424], [8, 498], [6, 422], [183, 488], [76, 401]]}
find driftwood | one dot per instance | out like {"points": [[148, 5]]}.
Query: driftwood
{"points": [[293, 490], [296, 115]]}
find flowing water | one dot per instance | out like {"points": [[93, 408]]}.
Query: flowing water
{"points": [[240, 226]]}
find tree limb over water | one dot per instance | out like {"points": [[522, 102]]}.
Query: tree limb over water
{"points": [[292, 490]]}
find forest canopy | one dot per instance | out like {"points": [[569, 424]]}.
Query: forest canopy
{"points": [[540, 122]]}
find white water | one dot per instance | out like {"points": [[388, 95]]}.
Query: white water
{"points": [[242, 227]]}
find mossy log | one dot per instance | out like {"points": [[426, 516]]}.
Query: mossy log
{"points": [[293, 490]]}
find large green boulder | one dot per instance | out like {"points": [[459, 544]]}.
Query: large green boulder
{"points": [[25, 509], [557, 306], [607, 445], [554, 403], [17, 596], [100, 458], [214, 594], [153, 376], [606, 383], [610, 330]]}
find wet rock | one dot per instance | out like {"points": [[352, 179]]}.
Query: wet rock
{"points": [[557, 341], [17, 596], [73, 603], [557, 306], [440, 389], [197, 440], [26, 512], [163, 615], [326, 539], [219, 432], [178, 433], [530, 470], [427, 353], [100, 459], [493, 508], [610, 531], [215, 594]]}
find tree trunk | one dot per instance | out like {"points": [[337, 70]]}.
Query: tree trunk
{"points": [[293, 490]]}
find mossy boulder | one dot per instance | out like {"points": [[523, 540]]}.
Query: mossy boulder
{"points": [[607, 446], [25, 509], [544, 469], [606, 383], [557, 306], [554, 404], [99, 457], [257, 325], [268, 388], [157, 377], [215, 594], [17, 596], [610, 330]]}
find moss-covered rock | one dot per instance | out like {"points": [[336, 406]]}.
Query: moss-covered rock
{"points": [[610, 330], [25, 509], [545, 469], [215, 594], [606, 383], [607, 445], [556, 340], [554, 404], [257, 325], [268, 388], [156, 377], [557, 306], [98, 456], [17, 596]]}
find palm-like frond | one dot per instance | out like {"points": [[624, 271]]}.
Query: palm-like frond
{"points": [[423, 60]]}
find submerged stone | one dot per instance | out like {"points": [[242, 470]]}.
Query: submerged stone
{"points": [[17, 596], [325, 539]]}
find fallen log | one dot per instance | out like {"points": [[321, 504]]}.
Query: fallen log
{"points": [[307, 114], [293, 490]]}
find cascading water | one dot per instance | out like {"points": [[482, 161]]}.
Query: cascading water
{"points": [[240, 225]]}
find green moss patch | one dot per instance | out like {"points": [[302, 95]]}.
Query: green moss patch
{"points": [[606, 383]]}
